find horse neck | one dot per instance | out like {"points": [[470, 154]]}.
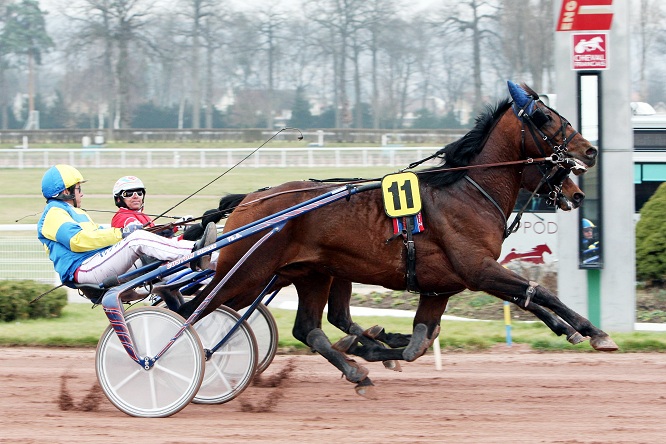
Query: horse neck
{"points": [[503, 144]]}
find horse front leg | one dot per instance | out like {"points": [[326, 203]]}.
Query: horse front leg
{"points": [[312, 298], [555, 323], [426, 325], [339, 315], [364, 343], [507, 285]]}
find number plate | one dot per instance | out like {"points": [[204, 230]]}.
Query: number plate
{"points": [[401, 193]]}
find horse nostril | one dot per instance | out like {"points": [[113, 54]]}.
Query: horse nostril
{"points": [[592, 152], [578, 198]]}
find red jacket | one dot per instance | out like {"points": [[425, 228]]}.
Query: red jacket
{"points": [[125, 216]]}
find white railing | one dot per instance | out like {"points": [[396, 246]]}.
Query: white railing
{"points": [[213, 157], [22, 256]]}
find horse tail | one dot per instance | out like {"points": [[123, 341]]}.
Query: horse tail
{"points": [[227, 204]]}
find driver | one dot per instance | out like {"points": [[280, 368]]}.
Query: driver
{"points": [[129, 195], [85, 253]]}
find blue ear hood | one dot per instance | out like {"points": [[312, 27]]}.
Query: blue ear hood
{"points": [[520, 98]]}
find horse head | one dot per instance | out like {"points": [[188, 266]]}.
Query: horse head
{"points": [[544, 248], [562, 192], [551, 134]]}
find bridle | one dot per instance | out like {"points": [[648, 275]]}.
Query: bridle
{"points": [[557, 168]]}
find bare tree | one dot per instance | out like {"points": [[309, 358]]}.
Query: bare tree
{"points": [[118, 25], [24, 35], [271, 24], [196, 13], [472, 17], [400, 61], [649, 24], [379, 16], [527, 41], [4, 66], [341, 21]]}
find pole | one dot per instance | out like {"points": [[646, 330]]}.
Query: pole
{"points": [[507, 322], [438, 354]]}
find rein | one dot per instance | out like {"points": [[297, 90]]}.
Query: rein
{"points": [[528, 161]]}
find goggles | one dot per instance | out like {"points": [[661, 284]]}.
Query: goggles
{"points": [[130, 193]]}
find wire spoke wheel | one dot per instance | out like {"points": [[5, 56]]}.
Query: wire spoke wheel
{"points": [[231, 368], [265, 330], [170, 384]]}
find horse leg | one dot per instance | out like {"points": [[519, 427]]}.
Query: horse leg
{"points": [[425, 331], [557, 325], [312, 291], [339, 298], [426, 325], [507, 285], [599, 340]]}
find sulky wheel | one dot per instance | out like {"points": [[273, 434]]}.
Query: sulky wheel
{"points": [[170, 384], [265, 330], [231, 368]]}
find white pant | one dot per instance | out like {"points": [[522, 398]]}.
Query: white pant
{"points": [[120, 257]]}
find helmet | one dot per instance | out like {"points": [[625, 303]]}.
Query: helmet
{"points": [[588, 224], [123, 184], [127, 183], [58, 178]]}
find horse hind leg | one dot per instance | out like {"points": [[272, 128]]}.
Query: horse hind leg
{"points": [[425, 332], [352, 371], [339, 299], [312, 291], [359, 344], [393, 340]]}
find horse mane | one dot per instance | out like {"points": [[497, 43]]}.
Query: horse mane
{"points": [[461, 152], [224, 209]]}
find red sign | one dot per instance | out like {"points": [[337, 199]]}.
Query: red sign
{"points": [[585, 15], [590, 51]]}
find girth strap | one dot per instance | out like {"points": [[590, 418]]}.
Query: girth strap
{"points": [[407, 235], [412, 284]]}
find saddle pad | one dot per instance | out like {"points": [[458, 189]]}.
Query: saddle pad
{"points": [[399, 224]]}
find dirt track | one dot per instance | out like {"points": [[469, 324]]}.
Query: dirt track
{"points": [[496, 397]]}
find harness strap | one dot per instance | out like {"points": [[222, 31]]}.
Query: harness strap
{"points": [[412, 284], [487, 196]]}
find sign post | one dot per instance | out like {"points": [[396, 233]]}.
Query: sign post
{"points": [[595, 87]]}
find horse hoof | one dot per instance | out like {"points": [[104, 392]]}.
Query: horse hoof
{"points": [[393, 365], [603, 343], [373, 332], [345, 343], [355, 372], [576, 338], [366, 389]]}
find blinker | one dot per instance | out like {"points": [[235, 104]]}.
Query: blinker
{"points": [[539, 118]]}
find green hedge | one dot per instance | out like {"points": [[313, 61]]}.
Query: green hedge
{"points": [[651, 238], [15, 297]]}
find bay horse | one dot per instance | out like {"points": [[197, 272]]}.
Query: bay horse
{"points": [[466, 203]]}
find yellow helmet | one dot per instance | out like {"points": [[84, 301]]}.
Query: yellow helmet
{"points": [[58, 178]]}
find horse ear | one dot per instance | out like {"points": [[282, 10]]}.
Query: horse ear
{"points": [[518, 94]]}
